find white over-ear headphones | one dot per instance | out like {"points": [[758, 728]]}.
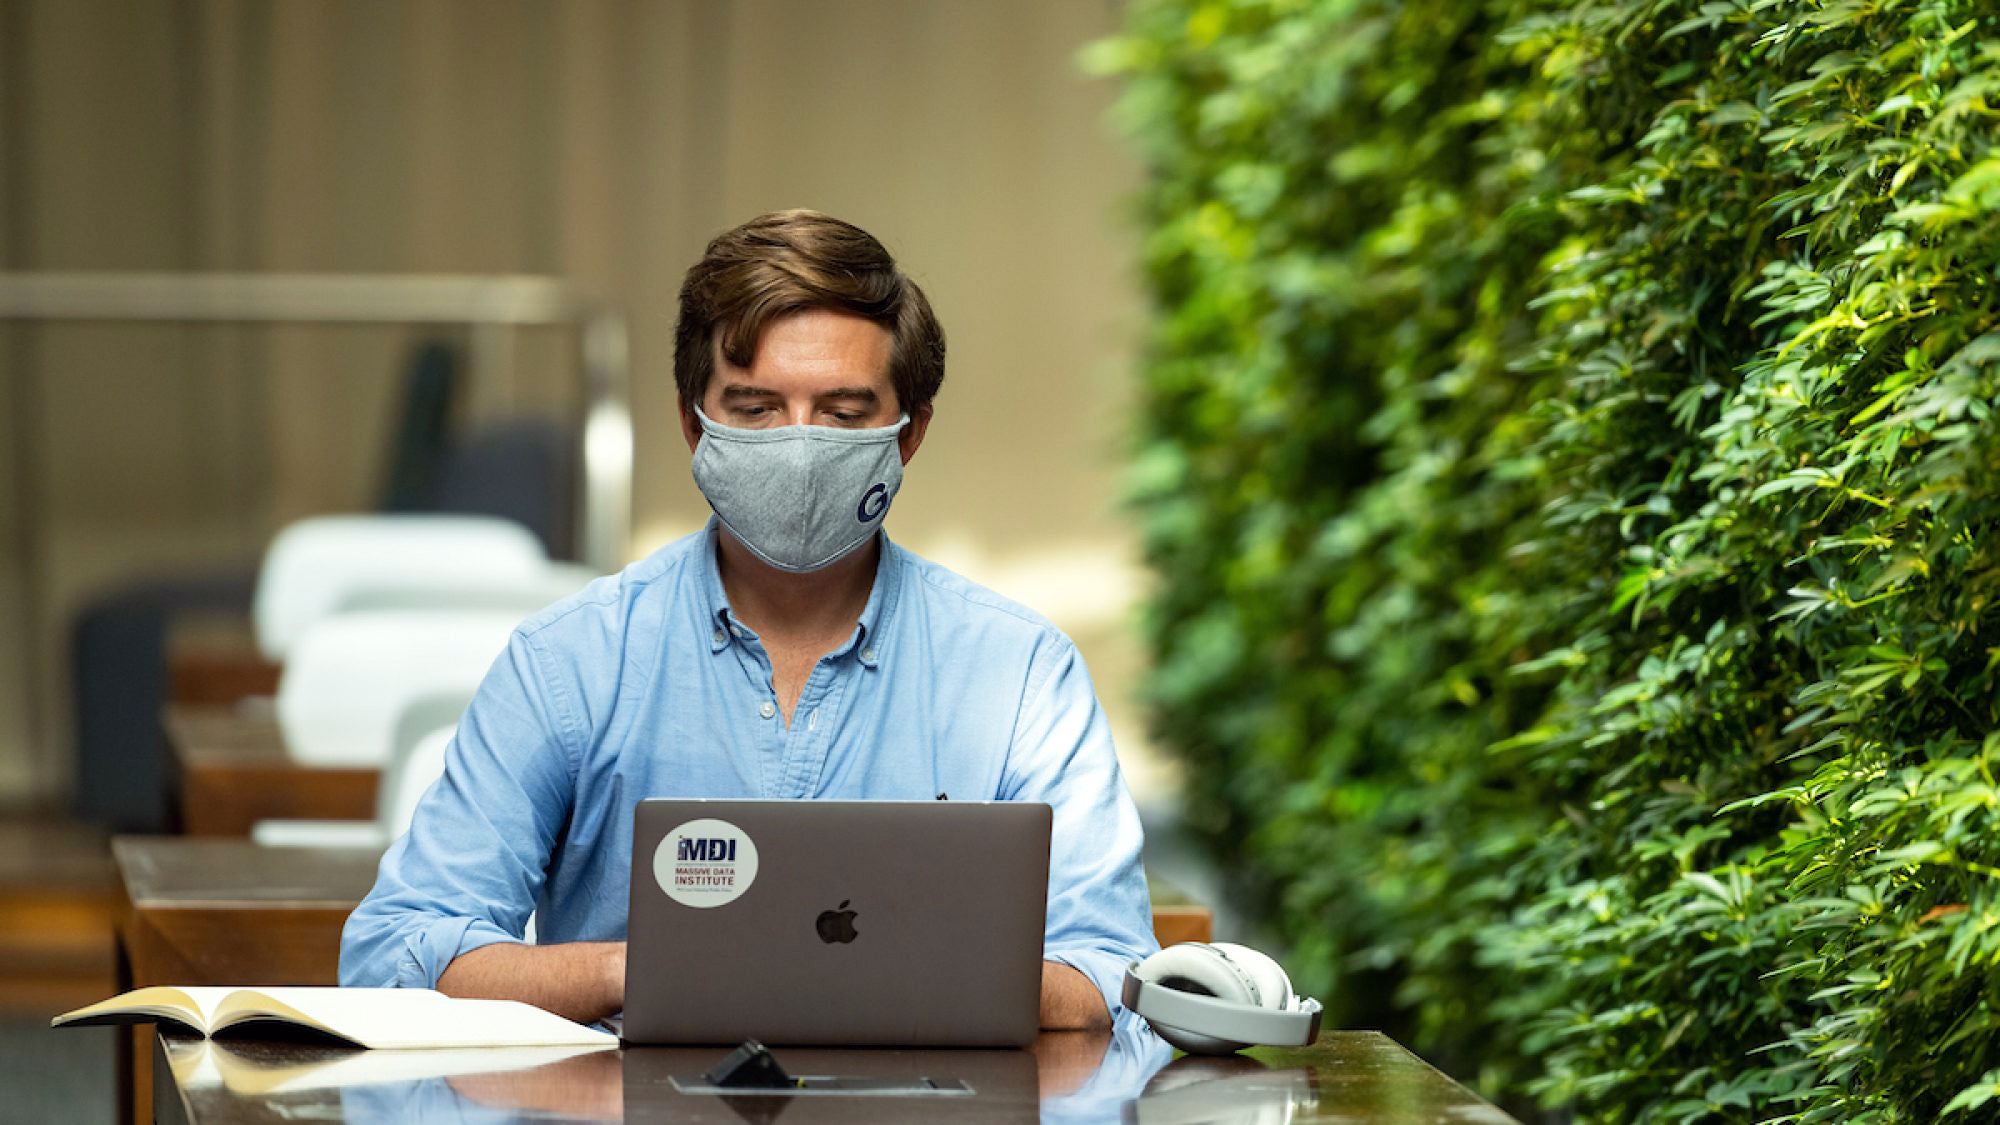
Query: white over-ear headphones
{"points": [[1215, 998]]}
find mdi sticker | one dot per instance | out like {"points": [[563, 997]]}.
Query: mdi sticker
{"points": [[705, 863]]}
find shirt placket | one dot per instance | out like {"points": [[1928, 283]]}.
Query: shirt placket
{"points": [[813, 721], [770, 739]]}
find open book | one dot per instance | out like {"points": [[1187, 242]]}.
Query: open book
{"points": [[366, 1017]]}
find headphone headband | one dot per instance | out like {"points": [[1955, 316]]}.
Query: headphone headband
{"points": [[1221, 1019]]}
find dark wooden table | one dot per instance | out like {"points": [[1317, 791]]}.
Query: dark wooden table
{"points": [[1349, 1076], [234, 771], [228, 912]]}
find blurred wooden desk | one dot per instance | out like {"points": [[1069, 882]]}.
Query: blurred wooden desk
{"points": [[58, 903], [1348, 1076], [213, 660], [234, 772], [228, 912], [1173, 924]]}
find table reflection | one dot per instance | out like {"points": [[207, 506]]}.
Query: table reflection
{"points": [[1135, 1082], [1005, 1086], [1092, 1083], [1231, 1089], [585, 1087], [1126, 1075]]}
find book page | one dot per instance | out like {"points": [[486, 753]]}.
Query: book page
{"points": [[410, 1017], [194, 1008]]}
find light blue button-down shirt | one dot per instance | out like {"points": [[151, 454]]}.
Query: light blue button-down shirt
{"points": [[646, 685]]}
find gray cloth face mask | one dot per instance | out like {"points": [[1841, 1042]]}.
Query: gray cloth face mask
{"points": [[801, 498]]}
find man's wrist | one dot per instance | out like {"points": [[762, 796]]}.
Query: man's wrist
{"points": [[1071, 1000], [612, 976]]}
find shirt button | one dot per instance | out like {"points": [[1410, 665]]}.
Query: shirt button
{"points": [[720, 636], [868, 654], [767, 708]]}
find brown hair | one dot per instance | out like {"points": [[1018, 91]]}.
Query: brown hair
{"points": [[791, 261]]}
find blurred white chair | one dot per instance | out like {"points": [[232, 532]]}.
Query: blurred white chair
{"points": [[319, 566], [417, 761], [421, 769], [353, 676], [525, 596], [423, 734]]}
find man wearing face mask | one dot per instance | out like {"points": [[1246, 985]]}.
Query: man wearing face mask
{"points": [[788, 650]]}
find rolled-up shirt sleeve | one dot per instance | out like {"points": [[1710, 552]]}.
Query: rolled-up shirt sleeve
{"points": [[469, 871], [1099, 914]]}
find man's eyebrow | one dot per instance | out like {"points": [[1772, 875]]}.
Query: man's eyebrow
{"points": [[866, 394], [745, 390]]}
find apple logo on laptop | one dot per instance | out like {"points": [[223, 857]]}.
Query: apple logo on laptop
{"points": [[836, 925]]}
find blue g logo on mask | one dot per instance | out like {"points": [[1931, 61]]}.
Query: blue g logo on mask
{"points": [[872, 503]]}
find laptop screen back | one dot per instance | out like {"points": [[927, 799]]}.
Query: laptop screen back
{"points": [[851, 923]]}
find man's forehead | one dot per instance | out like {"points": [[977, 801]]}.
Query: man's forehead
{"points": [[815, 345]]}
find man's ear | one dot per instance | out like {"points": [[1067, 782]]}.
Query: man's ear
{"points": [[913, 434], [690, 425]]}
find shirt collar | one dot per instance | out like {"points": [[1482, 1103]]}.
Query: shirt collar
{"points": [[718, 620], [866, 641]]}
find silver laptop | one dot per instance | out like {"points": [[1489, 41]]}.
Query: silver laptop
{"points": [[837, 923]]}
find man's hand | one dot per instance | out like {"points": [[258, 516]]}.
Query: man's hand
{"points": [[1069, 1001], [582, 981]]}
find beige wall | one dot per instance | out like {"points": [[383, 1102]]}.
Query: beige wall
{"points": [[604, 142]]}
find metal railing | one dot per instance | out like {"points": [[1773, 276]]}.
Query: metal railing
{"points": [[491, 307]]}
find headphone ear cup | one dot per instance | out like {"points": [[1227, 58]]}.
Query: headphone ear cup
{"points": [[1194, 967], [1198, 968], [1274, 988]]}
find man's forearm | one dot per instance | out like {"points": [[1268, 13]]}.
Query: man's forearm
{"points": [[583, 981], [1069, 1001]]}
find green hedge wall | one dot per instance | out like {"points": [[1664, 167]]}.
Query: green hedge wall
{"points": [[1569, 454]]}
